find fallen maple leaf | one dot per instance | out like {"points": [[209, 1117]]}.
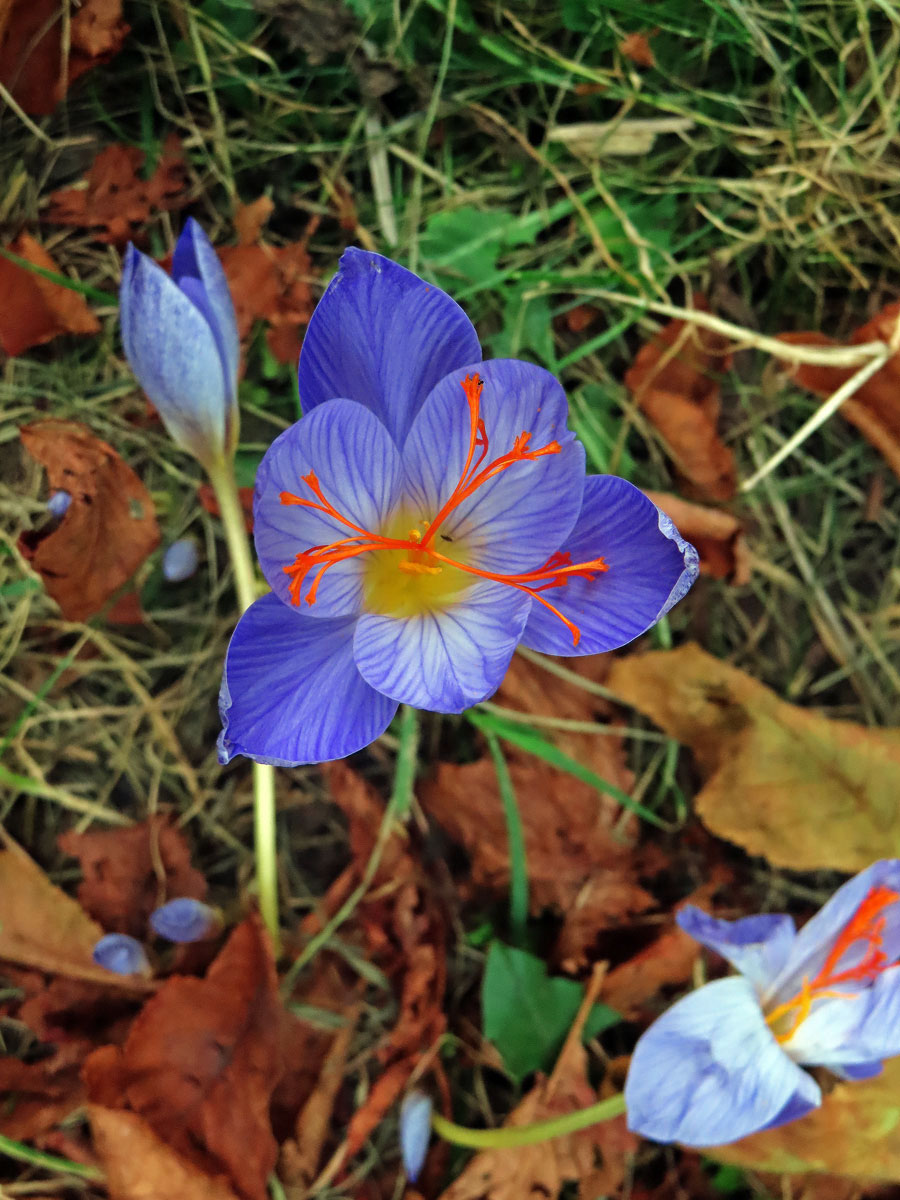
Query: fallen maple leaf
{"points": [[109, 528], [271, 283], [875, 407], [130, 872], [581, 859], [34, 310], [674, 381], [202, 1061], [207, 497], [636, 48], [141, 1166], [115, 201], [804, 791], [718, 536], [855, 1133], [37, 65]]}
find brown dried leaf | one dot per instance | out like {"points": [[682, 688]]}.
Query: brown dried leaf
{"points": [[202, 1061], [250, 218], [116, 201], [35, 310], [35, 66], [856, 1133], [207, 497], [875, 407], [717, 535], [40, 1093], [675, 381], [271, 283], [130, 872], [581, 860], [110, 526], [140, 1166], [804, 791], [636, 48]]}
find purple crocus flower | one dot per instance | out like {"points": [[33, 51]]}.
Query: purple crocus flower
{"points": [[722, 1063], [427, 514], [180, 337]]}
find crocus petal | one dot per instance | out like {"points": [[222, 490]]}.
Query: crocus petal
{"points": [[198, 272], [650, 567], [358, 469], [861, 1027], [817, 937], [709, 1071], [855, 1072], [415, 1132], [757, 946], [180, 560], [173, 352], [185, 919], [121, 954], [516, 520], [383, 337], [291, 692], [448, 660]]}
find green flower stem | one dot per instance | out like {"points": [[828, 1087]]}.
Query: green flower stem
{"points": [[528, 1135], [221, 476]]}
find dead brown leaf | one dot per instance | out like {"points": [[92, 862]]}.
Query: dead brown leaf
{"points": [[116, 201], [675, 382], [804, 791], [35, 66], [35, 310], [717, 535], [207, 497], [875, 408], [250, 218], [202, 1061], [636, 48], [141, 1166], [855, 1133], [581, 856], [271, 283], [130, 872], [110, 526]]}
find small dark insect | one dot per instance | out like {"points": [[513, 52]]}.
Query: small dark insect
{"points": [[445, 537]]}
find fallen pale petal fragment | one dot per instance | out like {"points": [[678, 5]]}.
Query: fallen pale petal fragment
{"points": [[121, 954], [58, 503], [180, 560], [415, 1132], [185, 920]]}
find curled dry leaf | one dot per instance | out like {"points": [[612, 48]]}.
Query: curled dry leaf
{"points": [[717, 535], [202, 1061], [636, 48], [675, 382], [250, 218], [116, 201], [581, 856], [855, 1133], [207, 497], [109, 529], [35, 63], [141, 1166], [875, 408], [130, 872], [806, 792], [34, 310], [273, 284]]}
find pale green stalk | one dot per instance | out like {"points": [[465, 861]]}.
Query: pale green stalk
{"points": [[528, 1135], [221, 476]]}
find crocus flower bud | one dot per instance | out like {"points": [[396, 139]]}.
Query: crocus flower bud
{"points": [[180, 560], [121, 954], [58, 503], [185, 920], [180, 337], [415, 1132]]}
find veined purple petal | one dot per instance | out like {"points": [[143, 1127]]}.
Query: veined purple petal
{"points": [[649, 567], [855, 1072], [516, 520], [198, 272], [359, 473], [756, 946], [291, 692], [859, 1027], [816, 939], [447, 660], [173, 352], [383, 337], [709, 1071]]}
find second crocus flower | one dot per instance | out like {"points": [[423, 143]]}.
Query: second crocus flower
{"points": [[727, 1060], [180, 336]]}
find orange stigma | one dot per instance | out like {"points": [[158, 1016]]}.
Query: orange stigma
{"points": [[866, 925], [421, 558]]}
